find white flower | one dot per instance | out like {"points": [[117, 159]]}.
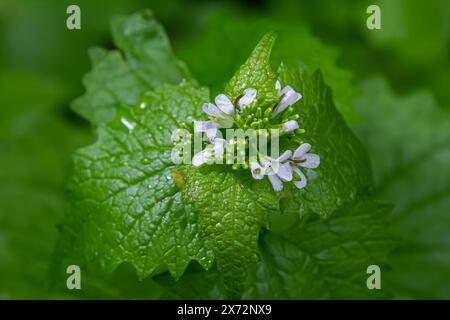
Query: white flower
{"points": [[210, 127], [215, 147], [301, 183], [288, 97], [222, 112], [290, 125], [278, 170], [248, 97], [303, 159], [257, 170], [214, 150]]}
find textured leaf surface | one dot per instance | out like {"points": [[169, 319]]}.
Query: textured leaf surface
{"points": [[125, 207], [344, 171], [256, 73], [310, 259], [226, 203], [411, 167], [147, 49], [232, 208], [324, 258], [118, 78]]}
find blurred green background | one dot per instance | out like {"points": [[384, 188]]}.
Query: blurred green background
{"points": [[392, 86]]}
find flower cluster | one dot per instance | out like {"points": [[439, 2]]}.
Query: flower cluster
{"points": [[223, 114], [286, 167]]}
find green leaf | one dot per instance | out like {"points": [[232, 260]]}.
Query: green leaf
{"points": [[344, 172], [234, 220], [256, 73], [408, 139], [312, 258], [125, 205], [97, 54], [232, 208], [324, 258], [147, 49], [118, 78], [225, 41]]}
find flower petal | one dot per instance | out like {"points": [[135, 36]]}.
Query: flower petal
{"points": [[224, 104], [290, 97], [278, 87], [301, 150], [287, 90], [311, 161], [212, 110], [265, 161], [284, 171], [257, 170], [202, 157], [225, 122], [290, 125], [278, 109], [210, 127], [277, 184], [211, 134], [285, 155], [219, 146], [294, 98], [248, 97], [300, 184], [202, 126]]}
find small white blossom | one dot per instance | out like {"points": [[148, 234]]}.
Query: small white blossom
{"points": [[288, 97], [221, 112], [215, 147], [214, 150], [290, 125], [282, 169], [224, 104], [210, 127], [248, 97], [257, 170], [303, 159], [301, 183], [278, 87], [278, 170]]}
